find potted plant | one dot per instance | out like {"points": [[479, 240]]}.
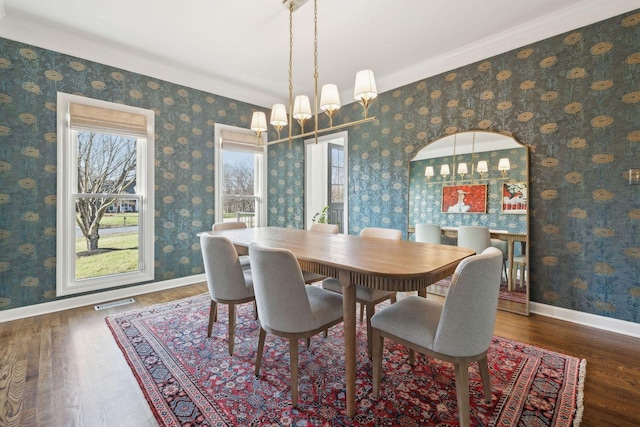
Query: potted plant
{"points": [[321, 217]]}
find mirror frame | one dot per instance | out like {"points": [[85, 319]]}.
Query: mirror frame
{"points": [[445, 149]]}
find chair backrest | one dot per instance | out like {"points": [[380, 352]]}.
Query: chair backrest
{"points": [[428, 233], [474, 237], [381, 233], [231, 225], [324, 228], [225, 278], [468, 315], [282, 300]]}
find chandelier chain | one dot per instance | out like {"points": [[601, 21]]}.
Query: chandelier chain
{"points": [[315, 63], [290, 71]]}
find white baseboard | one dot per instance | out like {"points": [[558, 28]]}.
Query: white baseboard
{"points": [[592, 320], [100, 297]]}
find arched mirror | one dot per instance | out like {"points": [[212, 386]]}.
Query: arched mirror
{"points": [[482, 179]]}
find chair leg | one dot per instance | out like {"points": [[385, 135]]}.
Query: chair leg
{"points": [[462, 392], [325, 333], [378, 341], [232, 327], [412, 357], [255, 310], [293, 355], [261, 338], [308, 342], [483, 365], [393, 298], [361, 311], [213, 316], [371, 309]]}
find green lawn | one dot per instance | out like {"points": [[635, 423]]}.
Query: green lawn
{"points": [[119, 219], [118, 253]]}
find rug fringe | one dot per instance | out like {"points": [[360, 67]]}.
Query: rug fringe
{"points": [[580, 396]]}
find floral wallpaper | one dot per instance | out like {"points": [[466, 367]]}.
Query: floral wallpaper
{"points": [[184, 173], [574, 100]]}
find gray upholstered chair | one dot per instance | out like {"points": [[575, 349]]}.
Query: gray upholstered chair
{"points": [[502, 245], [324, 228], [367, 297], [457, 331], [310, 277], [474, 237], [228, 283], [233, 225], [288, 308], [428, 233], [478, 239]]}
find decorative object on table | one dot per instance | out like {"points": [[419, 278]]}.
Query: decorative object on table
{"points": [[464, 198], [186, 377], [514, 198]]}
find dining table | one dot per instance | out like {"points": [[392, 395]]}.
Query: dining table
{"points": [[382, 264]]}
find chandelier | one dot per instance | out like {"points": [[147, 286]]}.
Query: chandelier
{"points": [[504, 166], [329, 101]]}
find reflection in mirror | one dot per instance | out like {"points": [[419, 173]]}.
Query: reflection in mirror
{"points": [[477, 178]]}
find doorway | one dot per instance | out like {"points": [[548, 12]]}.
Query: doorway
{"points": [[326, 179]]}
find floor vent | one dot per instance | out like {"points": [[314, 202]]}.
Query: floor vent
{"points": [[114, 303]]}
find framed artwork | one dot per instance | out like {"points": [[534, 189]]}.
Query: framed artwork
{"points": [[514, 198], [464, 198]]}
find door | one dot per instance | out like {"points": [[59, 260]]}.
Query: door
{"points": [[317, 176], [336, 183]]}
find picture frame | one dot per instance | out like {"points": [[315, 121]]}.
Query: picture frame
{"points": [[464, 198], [514, 198]]}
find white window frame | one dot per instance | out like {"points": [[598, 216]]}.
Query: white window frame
{"points": [[260, 174], [66, 284]]}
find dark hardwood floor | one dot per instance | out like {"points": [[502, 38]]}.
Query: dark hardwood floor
{"points": [[65, 369]]}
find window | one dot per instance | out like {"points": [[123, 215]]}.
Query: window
{"points": [[240, 176], [105, 228]]}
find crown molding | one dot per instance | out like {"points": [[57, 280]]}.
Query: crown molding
{"points": [[39, 34], [570, 18], [105, 52]]}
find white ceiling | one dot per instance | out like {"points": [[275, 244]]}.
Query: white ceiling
{"points": [[239, 48]]}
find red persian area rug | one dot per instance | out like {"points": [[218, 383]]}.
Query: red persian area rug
{"points": [[189, 379]]}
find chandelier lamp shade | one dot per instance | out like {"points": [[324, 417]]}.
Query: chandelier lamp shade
{"points": [[300, 106]]}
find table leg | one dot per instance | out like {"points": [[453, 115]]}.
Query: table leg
{"points": [[349, 319]]}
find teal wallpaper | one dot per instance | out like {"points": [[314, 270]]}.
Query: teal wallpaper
{"points": [[425, 196], [184, 176], [574, 99]]}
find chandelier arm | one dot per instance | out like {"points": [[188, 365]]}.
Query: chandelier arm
{"points": [[324, 130]]}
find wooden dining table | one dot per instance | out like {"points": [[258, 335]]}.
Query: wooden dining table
{"points": [[376, 263]]}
